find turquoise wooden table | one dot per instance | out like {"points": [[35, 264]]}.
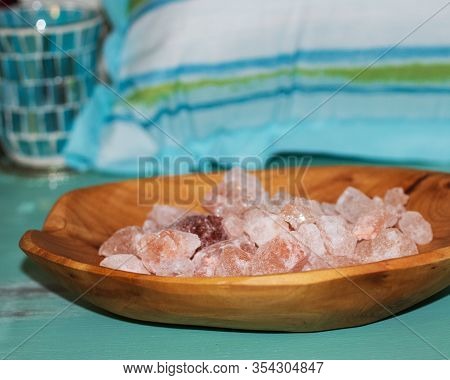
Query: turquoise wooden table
{"points": [[30, 300]]}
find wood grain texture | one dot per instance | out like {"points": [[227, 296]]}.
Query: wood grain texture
{"points": [[81, 220]]}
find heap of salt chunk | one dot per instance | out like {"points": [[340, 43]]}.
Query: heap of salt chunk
{"points": [[247, 232]]}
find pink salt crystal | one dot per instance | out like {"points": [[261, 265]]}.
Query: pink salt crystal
{"points": [[218, 204], [205, 261], [310, 239], [329, 208], [208, 228], [282, 254], [162, 216], [337, 235], [233, 226], [300, 211], [353, 203], [391, 213], [168, 253], [389, 244], [416, 227], [394, 202], [125, 262], [238, 192], [369, 225], [396, 197], [244, 184], [262, 226], [122, 241], [233, 261], [226, 255], [278, 201], [378, 201], [150, 226], [328, 261]]}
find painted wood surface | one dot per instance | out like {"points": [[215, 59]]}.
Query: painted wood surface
{"points": [[30, 300]]}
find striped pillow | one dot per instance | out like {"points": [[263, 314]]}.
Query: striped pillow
{"points": [[213, 78]]}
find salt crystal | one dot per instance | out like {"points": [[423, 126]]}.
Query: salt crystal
{"points": [[233, 226], [396, 197], [151, 226], [168, 253], [233, 261], [389, 244], [246, 185], [282, 254], [337, 235], [207, 227], [395, 200], [391, 213], [309, 237], [225, 258], [329, 208], [278, 201], [238, 192], [218, 204], [205, 261], [328, 262], [369, 225], [353, 203], [300, 211], [124, 262], [416, 227], [262, 226], [122, 241], [162, 216]]}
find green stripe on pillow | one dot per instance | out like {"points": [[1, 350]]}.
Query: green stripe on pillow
{"points": [[413, 73]]}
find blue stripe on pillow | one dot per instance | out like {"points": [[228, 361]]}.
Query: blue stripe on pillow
{"points": [[166, 111], [307, 56]]}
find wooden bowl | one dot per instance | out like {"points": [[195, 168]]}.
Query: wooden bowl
{"points": [[312, 301]]}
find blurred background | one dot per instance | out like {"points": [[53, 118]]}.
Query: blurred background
{"points": [[94, 86]]}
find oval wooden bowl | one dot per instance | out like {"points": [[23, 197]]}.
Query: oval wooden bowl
{"points": [[312, 301]]}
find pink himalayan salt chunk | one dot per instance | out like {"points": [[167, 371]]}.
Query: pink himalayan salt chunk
{"points": [[205, 261], [353, 203], [277, 202], [238, 192], [122, 241], [168, 253], [369, 225], [329, 208], [391, 213], [310, 239], [246, 185], [162, 216], [413, 225], [396, 197], [233, 261], [282, 254], [208, 228], [233, 226], [300, 211], [328, 261], [125, 262], [337, 235], [389, 244], [223, 257], [262, 226], [395, 200]]}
